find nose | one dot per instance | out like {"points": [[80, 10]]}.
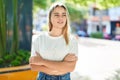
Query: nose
{"points": [[61, 17]]}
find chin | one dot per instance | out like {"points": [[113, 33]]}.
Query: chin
{"points": [[60, 27]]}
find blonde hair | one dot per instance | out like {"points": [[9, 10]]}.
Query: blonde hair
{"points": [[65, 28]]}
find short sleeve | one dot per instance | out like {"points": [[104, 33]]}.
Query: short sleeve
{"points": [[73, 47], [34, 45]]}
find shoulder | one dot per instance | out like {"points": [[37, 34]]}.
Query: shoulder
{"points": [[39, 36], [73, 38]]}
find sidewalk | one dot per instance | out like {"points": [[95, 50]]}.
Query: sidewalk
{"points": [[98, 59]]}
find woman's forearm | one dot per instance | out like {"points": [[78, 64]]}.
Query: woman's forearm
{"points": [[61, 66], [45, 69], [41, 68], [67, 65]]}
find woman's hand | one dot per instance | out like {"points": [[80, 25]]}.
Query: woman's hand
{"points": [[38, 60], [70, 57]]}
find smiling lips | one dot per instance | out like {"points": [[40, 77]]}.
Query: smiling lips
{"points": [[60, 22]]}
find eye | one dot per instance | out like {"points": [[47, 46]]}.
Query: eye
{"points": [[64, 15], [56, 15]]}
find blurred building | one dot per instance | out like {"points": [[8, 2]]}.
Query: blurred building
{"points": [[103, 21]]}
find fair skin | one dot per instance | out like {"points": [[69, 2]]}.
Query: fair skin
{"points": [[53, 67], [37, 63], [58, 19]]}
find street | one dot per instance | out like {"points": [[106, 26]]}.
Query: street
{"points": [[97, 59]]}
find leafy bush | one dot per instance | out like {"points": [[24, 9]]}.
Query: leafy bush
{"points": [[2, 63], [1, 60], [98, 35], [19, 58], [15, 59], [8, 58], [15, 63]]}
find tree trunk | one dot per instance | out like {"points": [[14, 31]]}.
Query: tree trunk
{"points": [[2, 28]]}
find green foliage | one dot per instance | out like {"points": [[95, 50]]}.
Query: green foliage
{"points": [[40, 3], [8, 58], [10, 12], [15, 63], [15, 59], [72, 12], [98, 35], [5, 23], [25, 56], [22, 53], [76, 15], [102, 4], [19, 58], [1, 60]]}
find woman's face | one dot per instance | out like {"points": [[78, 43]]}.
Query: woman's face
{"points": [[58, 17]]}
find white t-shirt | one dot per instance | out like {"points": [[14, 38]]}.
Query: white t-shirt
{"points": [[53, 48]]}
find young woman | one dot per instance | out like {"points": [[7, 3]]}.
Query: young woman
{"points": [[54, 53]]}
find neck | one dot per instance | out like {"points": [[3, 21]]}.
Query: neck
{"points": [[56, 32]]}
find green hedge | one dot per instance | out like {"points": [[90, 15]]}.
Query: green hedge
{"points": [[98, 35], [15, 59]]}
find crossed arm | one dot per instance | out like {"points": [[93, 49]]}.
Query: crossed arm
{"points": [[37, 63]]}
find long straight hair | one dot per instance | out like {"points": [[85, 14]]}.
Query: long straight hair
{"points": [[66, 27]]}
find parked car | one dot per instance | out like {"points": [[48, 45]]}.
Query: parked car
{"points": [[117, 37], [82, 33], [106, 36]]}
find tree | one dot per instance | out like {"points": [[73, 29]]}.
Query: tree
{"points": [[15, 19], [15, 32], [2, 28], [102, 4]]}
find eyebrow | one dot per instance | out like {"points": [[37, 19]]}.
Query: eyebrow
{"points": [[58, 13]]}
